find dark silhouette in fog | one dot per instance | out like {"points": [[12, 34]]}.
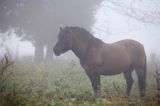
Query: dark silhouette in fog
{"points": [[40, 19], [98, 58]]}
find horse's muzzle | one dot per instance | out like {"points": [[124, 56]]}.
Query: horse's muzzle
{"points": [[56, 51]]}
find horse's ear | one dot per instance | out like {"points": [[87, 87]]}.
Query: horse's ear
{"points": [[61, 28]]}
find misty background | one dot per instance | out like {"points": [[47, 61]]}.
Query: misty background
{"points": [[29, 28]]}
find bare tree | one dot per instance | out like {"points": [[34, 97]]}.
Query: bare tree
{"points": [[157, 77], [5, 63], [141, 10]]}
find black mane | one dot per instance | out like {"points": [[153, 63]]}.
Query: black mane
{"points": [[87, 36]]}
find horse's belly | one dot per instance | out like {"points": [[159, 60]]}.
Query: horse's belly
{"points": [[115, 63], [110, 72], [113, 70]]}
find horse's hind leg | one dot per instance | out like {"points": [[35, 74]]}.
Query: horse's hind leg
{"points": [[141, 81], [129, 81]]}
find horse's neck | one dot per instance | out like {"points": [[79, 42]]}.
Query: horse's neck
{"points": [[79, 53], [80, 48]]}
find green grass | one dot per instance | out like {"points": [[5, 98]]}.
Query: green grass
{"points": [[27, 83]]}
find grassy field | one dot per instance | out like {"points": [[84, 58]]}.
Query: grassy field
{"points": [[27, 83]]}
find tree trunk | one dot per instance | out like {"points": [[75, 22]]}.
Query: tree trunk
{"points": [[39, 51], [49, 53]]}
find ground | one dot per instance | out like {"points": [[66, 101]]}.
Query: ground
{"points": [[27, 83]]}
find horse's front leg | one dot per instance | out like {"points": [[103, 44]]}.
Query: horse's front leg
{"points": [[95, 80]]}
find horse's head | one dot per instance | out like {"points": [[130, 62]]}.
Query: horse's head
{"points": [[64, 42]]}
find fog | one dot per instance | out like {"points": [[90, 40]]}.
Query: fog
{"points": [[32, 30], [36, 72], [38, 21], [112, 26]]}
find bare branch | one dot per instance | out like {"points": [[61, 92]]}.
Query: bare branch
{"points": [[147, 15], [157, 77], [5, 64]]}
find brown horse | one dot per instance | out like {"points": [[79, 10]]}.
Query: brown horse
{"points": [[99, 58]]}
